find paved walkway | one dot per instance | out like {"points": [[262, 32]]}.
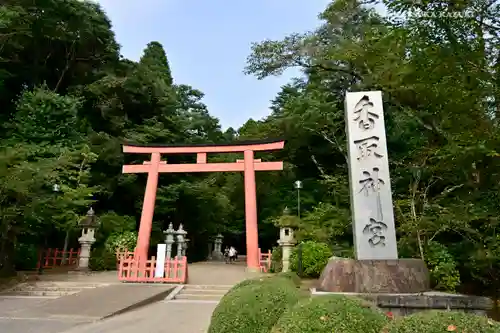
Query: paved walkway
{"points": [[164, 316], [210, 273]]}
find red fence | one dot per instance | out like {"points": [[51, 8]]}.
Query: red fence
{"points": [[131, 269], [51, 258], [265, 261]]}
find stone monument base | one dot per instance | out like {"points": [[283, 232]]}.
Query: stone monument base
{"points": [[217, 256], [406, 304], [374, 276]]}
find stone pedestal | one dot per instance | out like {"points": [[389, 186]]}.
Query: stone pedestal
{"points": [[374, 276], [407, 304], [287, 242], [287, 250], [83, 261], [86, 241]]}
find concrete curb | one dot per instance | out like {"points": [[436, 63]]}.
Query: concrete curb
{"points": [[153, 299], [174, 293]]}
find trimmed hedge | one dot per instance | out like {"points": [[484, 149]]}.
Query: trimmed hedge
{"points": [[288, 277], [253, 306], [291, 276], [443, 321], [333, 313], [256, 281]]}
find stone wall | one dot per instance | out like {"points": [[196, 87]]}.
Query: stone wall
{"points": [[404, 304]]}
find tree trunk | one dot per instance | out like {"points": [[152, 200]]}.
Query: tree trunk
{"points": [[7, 250], [65, 248]]}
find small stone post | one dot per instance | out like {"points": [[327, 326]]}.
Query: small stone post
{"points": [[181, 233], [218, 255], [169, 240], [88, 224], [286, 242], [186, 245], [209, 255]]}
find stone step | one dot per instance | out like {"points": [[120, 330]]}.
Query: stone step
{"points": [[46, 288], [195, 301], [204, 291], [185, 296], [57, 286], [2, 296], [70, 284], [207, 287], [39, 293]]}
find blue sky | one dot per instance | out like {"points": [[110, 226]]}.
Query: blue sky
{"points": [[207, 42]]}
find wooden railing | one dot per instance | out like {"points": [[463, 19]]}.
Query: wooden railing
{"points": [[51, 258], [265, 261], [132, 269]]}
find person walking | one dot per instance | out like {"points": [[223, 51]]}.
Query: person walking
{"points": [[232, 254]]}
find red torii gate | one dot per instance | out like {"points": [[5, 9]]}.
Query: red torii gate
{"points": [[248, 165]]}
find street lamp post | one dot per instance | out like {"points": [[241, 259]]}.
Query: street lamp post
{"points": [[298, 186]]}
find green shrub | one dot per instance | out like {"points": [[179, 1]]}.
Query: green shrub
{"points": [[112, 223], [292, 276], [442, 267], [333, 313], [276, 260], [254, 306], [102, 260], [314, 258], [443, 321], [126, 240], [25, 256]]}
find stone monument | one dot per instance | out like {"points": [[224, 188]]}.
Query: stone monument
{"points": [[88, 225], [181, 236], [169, 240], [377, 267]]}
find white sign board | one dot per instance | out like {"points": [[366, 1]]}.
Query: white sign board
{"points": [[161, 250]]}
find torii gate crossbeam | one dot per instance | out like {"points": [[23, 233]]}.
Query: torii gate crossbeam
{"points": [[248, 166]]}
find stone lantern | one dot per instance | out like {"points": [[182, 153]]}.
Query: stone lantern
{"points": [[181, 239], [217, 254], [287, 242], [169, 240], [88, 225]]}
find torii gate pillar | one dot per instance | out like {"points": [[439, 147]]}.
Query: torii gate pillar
{"points": [[252, 231], [248, 166]]}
